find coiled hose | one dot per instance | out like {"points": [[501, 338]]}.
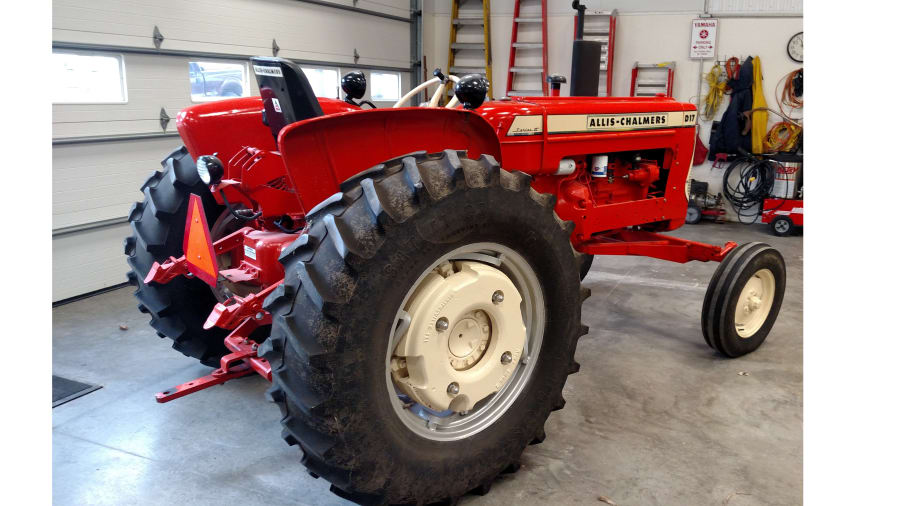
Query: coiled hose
{"points": [[754, 183], [783, 136], [713, 99]]}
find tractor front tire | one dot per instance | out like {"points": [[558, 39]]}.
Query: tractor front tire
{"points": [[333, 319], [743, 299], [179, 308]]}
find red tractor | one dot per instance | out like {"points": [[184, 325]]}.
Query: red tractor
{"points": [[409, 278]]}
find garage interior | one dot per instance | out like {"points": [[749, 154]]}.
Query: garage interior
{"points": [[653, 417]]}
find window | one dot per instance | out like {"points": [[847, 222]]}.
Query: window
{"points": [[324, 82], [385, 86], [218, 80], [88, 78]]}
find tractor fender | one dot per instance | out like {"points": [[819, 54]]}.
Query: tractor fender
{"points": [[321, 153]]}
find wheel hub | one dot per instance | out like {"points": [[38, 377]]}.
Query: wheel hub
{"points": [[754, 303], [469, 339], [465, 337]]}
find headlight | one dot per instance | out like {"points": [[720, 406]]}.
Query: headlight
{"points": [[210, 169]]}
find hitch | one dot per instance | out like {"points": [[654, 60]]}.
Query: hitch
{"points": [[242, 360], [254, 256]]}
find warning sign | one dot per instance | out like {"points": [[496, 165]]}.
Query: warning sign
{"points": [[703, 37]]}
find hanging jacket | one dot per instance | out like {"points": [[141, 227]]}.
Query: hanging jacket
{"points": [[759, 118], [732, 132]]}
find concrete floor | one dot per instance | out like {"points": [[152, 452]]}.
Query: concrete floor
{"points": [[654, 416]]}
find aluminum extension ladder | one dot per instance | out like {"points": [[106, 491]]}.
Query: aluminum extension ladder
{"points": [[483, 46]]}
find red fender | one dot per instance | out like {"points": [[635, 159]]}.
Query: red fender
{"points": [[226, 126], [321, 153]]}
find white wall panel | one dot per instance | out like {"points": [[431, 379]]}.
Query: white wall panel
{"points": [[303, 31], [756, 6], [99, 181], [88, 261]]}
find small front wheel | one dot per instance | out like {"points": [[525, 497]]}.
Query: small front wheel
{"points": [[743, 299]]}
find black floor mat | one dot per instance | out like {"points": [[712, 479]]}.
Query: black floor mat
{"points": [[65, 390]]}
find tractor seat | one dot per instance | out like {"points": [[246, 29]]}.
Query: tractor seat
{"points": [[286, 93]]}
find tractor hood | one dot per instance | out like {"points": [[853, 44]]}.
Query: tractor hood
{"points": [[527, 116]]}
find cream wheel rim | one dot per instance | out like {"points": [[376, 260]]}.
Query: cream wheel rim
{"points": [[754, 303], [465, 341]]}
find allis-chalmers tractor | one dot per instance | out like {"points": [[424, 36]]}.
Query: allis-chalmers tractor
{"points": [[409, 278]]}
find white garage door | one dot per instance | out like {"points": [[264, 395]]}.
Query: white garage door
{"points": [[113, 80]]}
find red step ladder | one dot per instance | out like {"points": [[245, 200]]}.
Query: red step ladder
{"points": [[527, 72], [651, 79]]}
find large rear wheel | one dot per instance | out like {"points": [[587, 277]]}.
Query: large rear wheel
{"points": [[179, 308], [426, 327], [584, 265]]}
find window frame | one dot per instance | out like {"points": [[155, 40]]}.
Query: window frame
{"points": [[399, 85], [337, 83], [123, 79], [248, 87]]}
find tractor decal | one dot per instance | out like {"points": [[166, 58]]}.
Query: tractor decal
{"points": [[526, 125], [574, 123]]}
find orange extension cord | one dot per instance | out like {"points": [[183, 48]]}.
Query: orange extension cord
{"points": [[788, 97], [732, 69], [783, 136]]}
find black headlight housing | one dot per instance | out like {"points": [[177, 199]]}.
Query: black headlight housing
{"points": [[210, 169]]}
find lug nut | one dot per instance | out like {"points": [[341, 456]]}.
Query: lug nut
{"points": [[453, 388], [506, 358], [442, 324], [497, 297]]}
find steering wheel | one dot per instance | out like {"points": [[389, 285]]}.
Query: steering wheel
{"points": [[438, 93]]}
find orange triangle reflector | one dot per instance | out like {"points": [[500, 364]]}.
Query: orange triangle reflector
{"points": [[198, 248]]}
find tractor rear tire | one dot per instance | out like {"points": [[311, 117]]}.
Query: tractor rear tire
{"points": [[730, 322], [585, 265], [179, 308], [344, 282]]}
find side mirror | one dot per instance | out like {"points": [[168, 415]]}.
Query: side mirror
{"points": [[471, 91], [354, 84]]}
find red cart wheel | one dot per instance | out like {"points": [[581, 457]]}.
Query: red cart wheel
{"points": [[782, 226], [694, 215]]}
